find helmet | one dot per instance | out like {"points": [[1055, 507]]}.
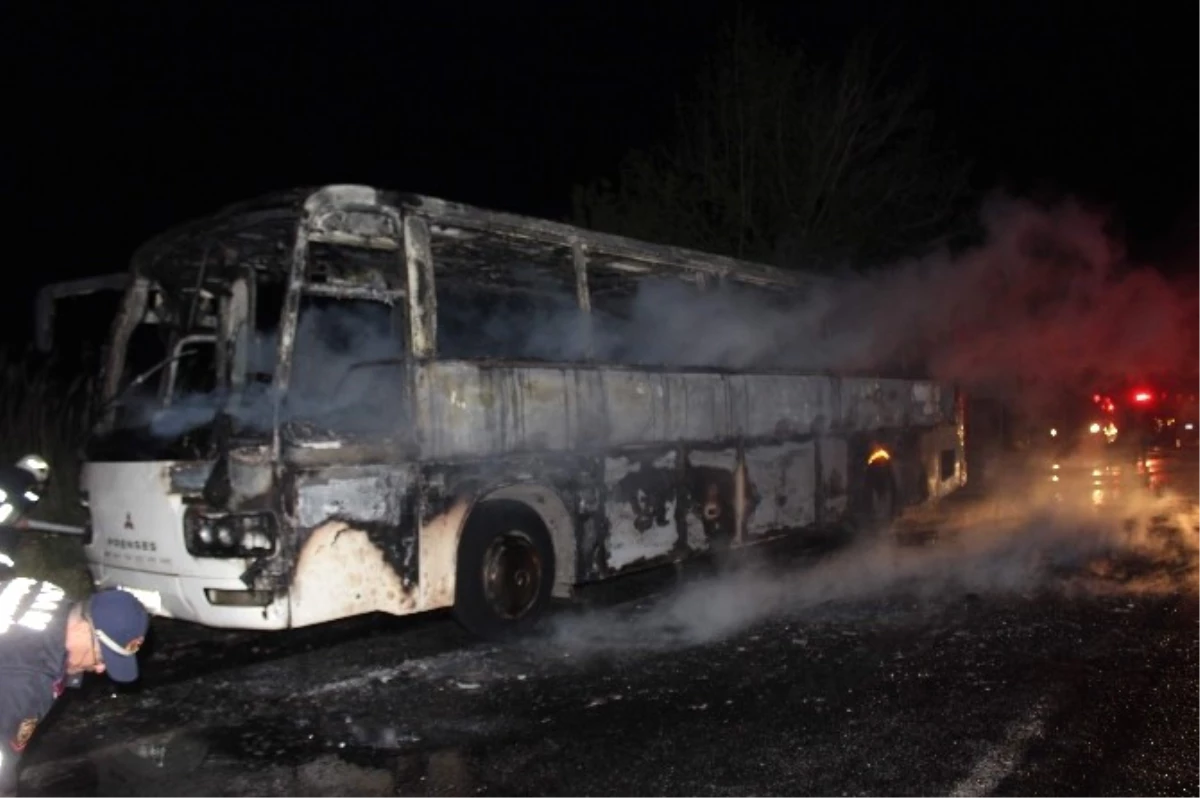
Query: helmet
{"points": [[35, 465]]}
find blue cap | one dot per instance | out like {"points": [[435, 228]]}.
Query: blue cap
{"points": [[121, 622]]}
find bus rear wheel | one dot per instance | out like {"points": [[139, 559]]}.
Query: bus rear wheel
{"points": [[505, 571]]}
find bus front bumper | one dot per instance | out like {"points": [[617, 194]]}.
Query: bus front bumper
{"points": [[218, 603]]}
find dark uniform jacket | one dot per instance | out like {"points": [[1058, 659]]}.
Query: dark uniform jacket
{"points": [[33, 662]]}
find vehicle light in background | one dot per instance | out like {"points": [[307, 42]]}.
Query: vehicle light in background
{"points": [[1142, 397], [1110, 432], [1094, 428], [1189, 425], [1053, 432]]}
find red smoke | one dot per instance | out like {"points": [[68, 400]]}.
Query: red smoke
{"points": [[1048, 303]]}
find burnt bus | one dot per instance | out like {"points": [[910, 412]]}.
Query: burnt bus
{"points": [[331, 402]]}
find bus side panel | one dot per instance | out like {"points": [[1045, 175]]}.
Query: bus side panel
{"points": [[641, 496], [714, 519], [469, 410], [835, 478], [943, 460], [356, 543], [609, 514], [781, 481]]}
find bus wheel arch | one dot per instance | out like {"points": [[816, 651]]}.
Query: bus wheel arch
{"points": [[880, 495], [875, 501], [546, 504], [504, 569]]}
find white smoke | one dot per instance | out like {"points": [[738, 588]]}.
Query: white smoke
{"points": [[1035, 538]]}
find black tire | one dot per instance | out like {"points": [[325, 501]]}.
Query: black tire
{"points": [[505, 571]]}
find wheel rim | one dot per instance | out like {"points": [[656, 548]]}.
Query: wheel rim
{"points": [[512, 575]]}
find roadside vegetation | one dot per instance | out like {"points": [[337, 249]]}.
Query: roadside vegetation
{"points": [[795, 161], [44, 412]]}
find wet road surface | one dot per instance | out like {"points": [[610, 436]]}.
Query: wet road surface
{"points": [[1035, 645]]}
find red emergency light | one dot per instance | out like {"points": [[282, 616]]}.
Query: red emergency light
{"points": [[1143, 397]]}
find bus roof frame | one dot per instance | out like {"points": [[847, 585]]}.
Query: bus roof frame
{"points": [[257, 230]]}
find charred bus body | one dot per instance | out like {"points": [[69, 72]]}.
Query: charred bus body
{"points": [[356, 401]]}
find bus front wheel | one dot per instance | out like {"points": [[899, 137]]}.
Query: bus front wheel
{"points": [[505, 570]]}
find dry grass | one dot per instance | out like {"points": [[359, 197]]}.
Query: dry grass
{"points": [[45, 412]]}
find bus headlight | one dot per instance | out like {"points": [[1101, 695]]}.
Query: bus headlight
{"points": [[229, 534]]}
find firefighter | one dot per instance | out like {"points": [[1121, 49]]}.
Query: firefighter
{"points": [[47, 643], [21, 487]]}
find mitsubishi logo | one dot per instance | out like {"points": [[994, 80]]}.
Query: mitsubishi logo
{"points": [[128, 521]]}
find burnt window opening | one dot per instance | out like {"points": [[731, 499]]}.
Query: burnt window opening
{"points": [[506, 299], [515, 298], [633, 309], [264, 341], [147, 348], [196, 371], [368, 268], [946, 464], [649, 316], [167, 397], [480, 323], [348, 371], [160, 362], [192, 394], [763, 328]]}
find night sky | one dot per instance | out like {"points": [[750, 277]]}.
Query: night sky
{"points": [[129, 118]]}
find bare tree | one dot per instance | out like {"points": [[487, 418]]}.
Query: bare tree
{"points": [[778, 159]]}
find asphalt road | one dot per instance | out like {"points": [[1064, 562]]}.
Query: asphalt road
{"points": [[1037, 639]]}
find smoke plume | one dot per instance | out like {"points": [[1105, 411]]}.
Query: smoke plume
{"points": [[1048, 302]]}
